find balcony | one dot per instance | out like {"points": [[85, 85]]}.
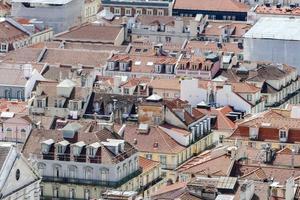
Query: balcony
{"points": [[110, 184]]}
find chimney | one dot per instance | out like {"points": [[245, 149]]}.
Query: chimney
{"points": [[247, 190], [293, 158], [27, 70], [290, 189], [122, 130]]}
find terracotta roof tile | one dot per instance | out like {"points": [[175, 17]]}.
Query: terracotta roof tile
{"points": [[211, 5], [10, 33], [165, 143], [166, 84], [91, 33], [147, 164]]}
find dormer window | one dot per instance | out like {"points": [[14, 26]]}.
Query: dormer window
{"points": [[158, 68], [61, 146], [77, 148], [91, 152], [46, 145], [283, 135], [60, 149], [253, 133], [92, 149]]}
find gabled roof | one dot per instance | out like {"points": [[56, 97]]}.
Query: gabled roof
{"points": [[164, 143], [10, 32]]}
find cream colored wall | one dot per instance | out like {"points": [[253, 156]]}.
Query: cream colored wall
{"points": [[167, 94], [95, 191], [259, 144], [42, 36]]}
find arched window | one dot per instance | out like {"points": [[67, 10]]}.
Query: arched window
{"points": [[20, 94], [119, 173], [130, 167], [23, 134], [41, 167], [88, 173], [9, 133], [104, 172], [72, 171], [8, 130], [7, 94], [57, 171], [125, 169], [136, 163]]}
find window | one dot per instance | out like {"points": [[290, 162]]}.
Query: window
{"points": [[125, 169], [104, 174], [86, 194], [72, 193], [88, 173], [8, 131], [149, 12], [39, 103], [128, 11], [126, 90], [160, 12], [157, 119], [60, 149], [249, 97], [20, 95], [42, 190], [117, 11], [57, 171], [72, 171], [119, 173], [56, 192], [282, 134], [75, 106], [130, 166], [163, 161], [139, 11], [41, 168], [91, 151], [168, 39], [149, 156], [3, 47], [7, 94]]}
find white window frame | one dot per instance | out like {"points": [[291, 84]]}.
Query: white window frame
{"points": [[139, 11], [117, 11], [149, 12], [160, 12], [128, 11]]}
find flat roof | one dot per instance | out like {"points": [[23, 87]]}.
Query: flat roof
{"points": [[275, 28], [59, 2]]}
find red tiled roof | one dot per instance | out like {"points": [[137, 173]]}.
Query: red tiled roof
{"points": [[211, 5], [223, 122], [165, 144], [91, 33], [273, 10], [269, 125], [147, 164]]}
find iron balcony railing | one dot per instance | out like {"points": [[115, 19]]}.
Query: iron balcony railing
{"points": [[111, 184], [83, 157]]}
